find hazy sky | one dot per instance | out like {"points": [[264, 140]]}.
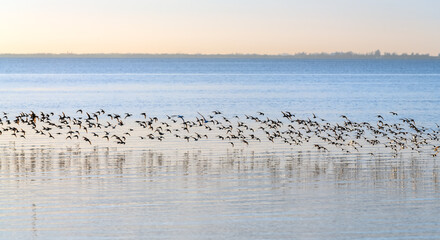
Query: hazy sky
{"points": [[219, 26]]}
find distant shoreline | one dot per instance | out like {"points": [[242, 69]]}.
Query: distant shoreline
{"points": [[336, 55]]}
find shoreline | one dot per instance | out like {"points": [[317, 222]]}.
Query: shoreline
{"points": [[301, 56]]}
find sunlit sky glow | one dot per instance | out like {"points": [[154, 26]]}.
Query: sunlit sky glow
{"points": [[214, 26]]}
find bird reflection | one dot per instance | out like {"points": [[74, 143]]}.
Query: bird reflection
{"points": [[40, 163]]}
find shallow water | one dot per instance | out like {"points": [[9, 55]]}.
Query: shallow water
{"points": [[98, 193], [55, 189]]}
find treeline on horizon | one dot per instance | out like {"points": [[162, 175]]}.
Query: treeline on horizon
{"points": [[334, 55]]}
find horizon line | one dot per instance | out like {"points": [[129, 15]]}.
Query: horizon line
{"points": [[338, 54]]}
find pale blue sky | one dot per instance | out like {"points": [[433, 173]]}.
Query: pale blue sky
{"points": [[214, 26]]}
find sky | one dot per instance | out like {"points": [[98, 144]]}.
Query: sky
{"points": [[219, 26]]}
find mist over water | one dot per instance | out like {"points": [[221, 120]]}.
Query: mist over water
{"points": [[55, 189]]}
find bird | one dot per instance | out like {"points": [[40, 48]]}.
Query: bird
{"points": [[345, 135], [87, 140]]}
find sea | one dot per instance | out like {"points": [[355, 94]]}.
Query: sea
{"points": [[54, 189]]}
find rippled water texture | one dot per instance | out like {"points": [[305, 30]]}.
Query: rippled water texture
{"points": [[99, 193], [58, 189]]}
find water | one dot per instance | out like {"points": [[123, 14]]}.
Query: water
{"points": [[53, 189], [360, 88]]}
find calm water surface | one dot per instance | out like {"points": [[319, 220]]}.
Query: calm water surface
{"points": [[359, 88], [58, 190]]}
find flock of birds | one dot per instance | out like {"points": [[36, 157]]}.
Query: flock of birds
{"points": [[347, 136]]}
